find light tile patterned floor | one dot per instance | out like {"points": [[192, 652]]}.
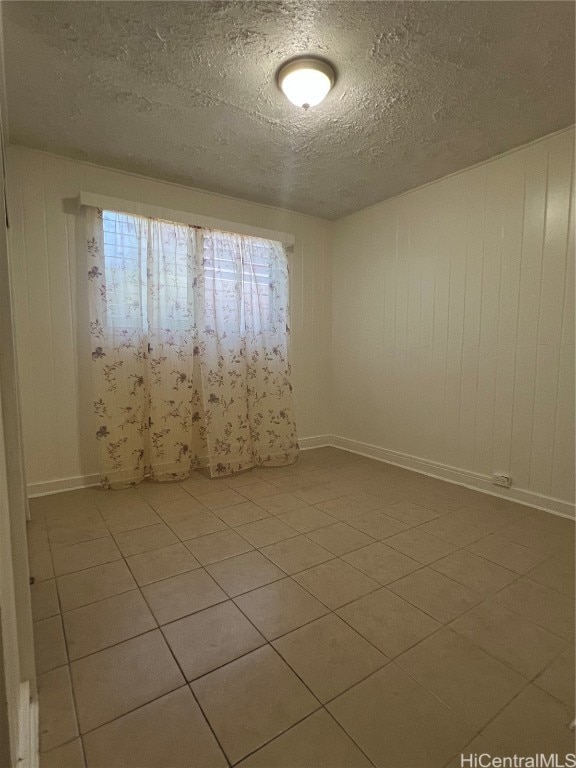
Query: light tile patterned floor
{"points": [[338, 613]]}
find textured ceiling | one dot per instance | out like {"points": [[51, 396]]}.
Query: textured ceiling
{"points": [[185, 91]]}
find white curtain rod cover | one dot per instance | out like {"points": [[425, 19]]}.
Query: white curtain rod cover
{"points": [[106, 202]]}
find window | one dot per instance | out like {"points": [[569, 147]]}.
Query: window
{"points": [[162, 274]]}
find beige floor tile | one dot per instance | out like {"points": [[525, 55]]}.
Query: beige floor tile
{"points": [[508, 554], [267, 531], [489, 515], [399, 724], [37, 536], [388, 621], [442, 502], [69, 755], [296, 554], [342, 508], [557, 573], [541, 531], [508, 511], [130, 519], [420, 546], [145, 539], [73, 518], [410, 513], [161, 563], [110, 502], [40, 562], [478, 746], [246, 477], [117, 680], [57, 715], [241, 514], [219, 499], [377, 525], [76, 532], [80, 499], [49, 644], [510, 638], [371, 524], [257, 489], [280, 607], [532, 723], [306, 519], [291, 483], [157, 494], [546, 607], [329, 656], [181, 595], [281, 502], [85, 555], [459, 528], [381, 562], [559, 678], [201, 523], [435, 594], [197, 484], [218, 546], [477, 573], [44, 600], [340, 538], [315, 494], [107, 622], [37, 514], [210, 638], [244, 572], [93, 584], [316, 742], [170, 732], [242, 704], [377, 499], [336, 583], [177, 511], [320, 476], [465, 678]]}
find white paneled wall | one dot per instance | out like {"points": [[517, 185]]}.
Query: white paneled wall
{"points": [[453, 323], [435, 329], [47, 275]]}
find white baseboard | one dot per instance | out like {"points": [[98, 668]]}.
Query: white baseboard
{"points": [[77, 482], [64, 484], [319, 441], [456, 475]]}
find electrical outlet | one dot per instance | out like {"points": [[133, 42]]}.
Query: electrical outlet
{"points": [[503, 480]]}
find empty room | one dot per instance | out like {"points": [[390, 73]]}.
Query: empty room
{"points": [[287, 402]]}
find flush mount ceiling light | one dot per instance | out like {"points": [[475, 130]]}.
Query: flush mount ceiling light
{"points": [[306, 80]]}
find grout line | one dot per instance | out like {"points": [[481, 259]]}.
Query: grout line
{"points": [[484, 598]]}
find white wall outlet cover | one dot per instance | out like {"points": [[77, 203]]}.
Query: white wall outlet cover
{"points": [[501, 479]]}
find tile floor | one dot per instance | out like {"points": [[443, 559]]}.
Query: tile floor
{"points": [[338, 613]]}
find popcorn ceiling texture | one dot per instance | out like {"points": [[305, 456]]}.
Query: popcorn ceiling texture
{"points": [[185, 91]]}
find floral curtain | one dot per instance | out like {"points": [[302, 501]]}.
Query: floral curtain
{"points": [[189, 331]]}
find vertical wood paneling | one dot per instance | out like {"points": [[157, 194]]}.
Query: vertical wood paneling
{"points": [[62, 327], [51, 329], [42, 425], [555, 240], [478, 313], [563, 455], [439, 324], [475, 198]]}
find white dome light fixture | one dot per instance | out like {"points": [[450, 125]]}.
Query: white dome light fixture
{"points": [[306, 81]]}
